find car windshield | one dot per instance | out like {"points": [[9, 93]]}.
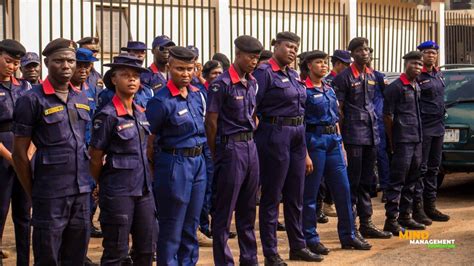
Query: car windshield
{"points": [[459, 85]]}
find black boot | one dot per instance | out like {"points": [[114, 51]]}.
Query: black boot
{"points": [[281, 227], [305, 254], [392, 226], [322, 218], [407, 222], [369, 230], [434, 214], [358, 235], [95, 232], [319, 248], [275, 260], [419, 214], [356, 244]]}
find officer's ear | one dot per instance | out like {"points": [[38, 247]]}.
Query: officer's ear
{"points": [[46, 61]]}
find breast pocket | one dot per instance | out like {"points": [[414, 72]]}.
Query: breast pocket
{"points": [[408, 97], [127, 139], [282, 89], [236, 105], [55, 131], [316, 103]]}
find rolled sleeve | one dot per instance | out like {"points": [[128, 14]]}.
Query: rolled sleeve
{"points": [[214, 98], [24, 116], [263, 80], [155, 114], [340, 87], [391, 95]]}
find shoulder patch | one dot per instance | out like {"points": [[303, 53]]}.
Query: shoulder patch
{"points": [[215, 87], [97, 123]]}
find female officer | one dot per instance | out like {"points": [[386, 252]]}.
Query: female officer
{"points": [[324, 144], [282, 149], [126, 200]]}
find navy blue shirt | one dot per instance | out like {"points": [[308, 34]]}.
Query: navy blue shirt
{"points": [[402, 101], [280, 93], [177, 122], [143, 95], [381, 82], [432, 101], [356, 91], [233, 101], [92, 81], [321, 105], [154, 79], [123, 138], [90, 92], [58, 129]]}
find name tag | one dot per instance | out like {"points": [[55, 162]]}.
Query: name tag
{"points": [[83, 106], [182, 112], [239, 97], [53, 110], [124, 126], [144, 123], [90, 99], [157, 86], [2, 94], [371, 82], [425, 81], [355, 84], [318, 95], [285, 80]]}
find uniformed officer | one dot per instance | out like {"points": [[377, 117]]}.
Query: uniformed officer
{"points": [[54, 116], [30, 67], [95, 78], [340, 60], [141, 98], [225, 62], [355, 88], [303, 69], [403, 125], [126, 200], [135, 48], [265, 55], [158, 76], [210, 71], [432, 87], [230, 122], [326, 151], [280, 139], [10, 188], [176, 115]]}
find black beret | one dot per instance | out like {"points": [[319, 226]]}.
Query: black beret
{"points": [[286, 36], [13, 48], [413, 55], [248, 44], [209, 66], [223, 59], [88, 40], [314, 55], [265, 55], [357, 42], [182, 53], [59, 44]]}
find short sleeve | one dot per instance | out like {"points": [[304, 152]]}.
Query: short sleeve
{"points": [[214, 97], [102, 130], [340, 86], [391, 95], [155, 114], [263, 81], [25, 116]]}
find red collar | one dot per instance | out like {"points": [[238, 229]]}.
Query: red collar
{"points": [[309, 83], [40, 81], [154, 68], [121, 109], [14, 81], [332, 73], [175, 91], [234, 76], [48, 88], [206, 85], [356, 72], [404, 79], [274, 64], [425, 70]]}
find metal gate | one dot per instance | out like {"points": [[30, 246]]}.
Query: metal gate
{"points": [[459, 32]]}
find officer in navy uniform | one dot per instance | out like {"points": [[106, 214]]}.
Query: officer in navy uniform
{"points": [[404, 131], [265, 55], [340, 60], [158, 77], [30, 67], [281, 144], [225, 62], [176, 116], [432, 87], [230, 122], [137, 49], [10, 188], [198, 79], [54, 116], [126, 200], [355, 88], [95, 78]]}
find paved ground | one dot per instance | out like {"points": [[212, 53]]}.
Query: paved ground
{"points": [[456, 198]]}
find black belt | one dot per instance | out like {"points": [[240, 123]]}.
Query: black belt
{"points": [[284, 121], [321, 129], [6, 127], [237, 137], [186, 152]]}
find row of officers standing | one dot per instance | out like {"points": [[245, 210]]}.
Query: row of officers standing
{"points": [[157, 134]]}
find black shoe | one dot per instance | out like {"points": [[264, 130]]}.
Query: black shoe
{"points": [[207, 233], [407, 222], [369, 230], [356, 244], [281, 227], [275, 260], [392, 226], [419, 214], [88, 262], [319, 248], [384, 197], [322, 218], [434, 214], [232, 235], [359, 236], [305, 254], [96, 232]]}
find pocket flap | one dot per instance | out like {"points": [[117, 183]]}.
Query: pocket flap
{"points": [[55, 158], [54, 117], [125, 162]]}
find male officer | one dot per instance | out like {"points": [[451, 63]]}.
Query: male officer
{"points": [[176, 116], [54, 116], [340, 60], [95, 78], [432, 87], [30, 67], [355, 87], [403, 126], [10, 188], [158, 77], [135, 48], [230, 117]]}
